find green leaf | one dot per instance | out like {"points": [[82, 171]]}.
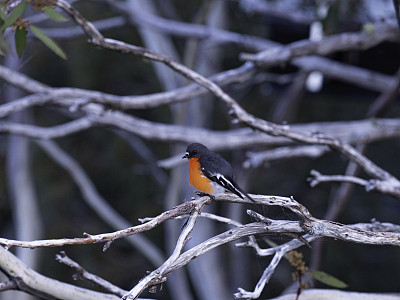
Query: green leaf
{"points": [[2, 15], [20, 40], [15, 14], [4, 46], [54, 15], [328, 279], [53, 46]]}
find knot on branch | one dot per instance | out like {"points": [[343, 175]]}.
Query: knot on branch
{"points": [[316, 229], [371, 185], [157, 284]]}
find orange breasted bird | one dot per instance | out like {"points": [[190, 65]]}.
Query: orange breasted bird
{"points": [[210, 173]]}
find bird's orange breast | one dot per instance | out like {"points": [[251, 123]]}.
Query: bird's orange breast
{"points": [[196, 177]]}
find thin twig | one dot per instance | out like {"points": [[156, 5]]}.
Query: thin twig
{"points": [[266, 276], [382, 186], [317, 178], [8, 285], [64, 259]]}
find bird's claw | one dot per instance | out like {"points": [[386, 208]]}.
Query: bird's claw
{"points": [[202, 194]]}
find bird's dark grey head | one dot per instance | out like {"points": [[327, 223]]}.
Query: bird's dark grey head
{"points": [[195, 150]]}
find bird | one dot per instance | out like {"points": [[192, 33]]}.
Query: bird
{"points": [[210, 173]]}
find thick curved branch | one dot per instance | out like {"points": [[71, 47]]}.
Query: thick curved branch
{"points": [[37, 284]]}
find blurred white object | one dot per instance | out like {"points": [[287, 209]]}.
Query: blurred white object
{"points": [[315, 79]]}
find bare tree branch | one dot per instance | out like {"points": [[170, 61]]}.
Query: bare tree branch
{"points": [[396, 5], [373, 170], [315, 228], [363, 40], [294, 244], [101, 109], [157, 275], [76, 31], [47, 133], [386, 98], [291, 13], [266, 276], [46, 94], [196, 31], [340, 42], [317, 178], [257, 159], [82, 273], [309, 225], [43, 286], [349, 132], [184, 208], [8, 285], [26, 214], [355, 75], [370, 185]]}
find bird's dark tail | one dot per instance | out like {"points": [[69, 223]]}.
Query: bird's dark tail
{"points": [[242, 194], [232, 186]]}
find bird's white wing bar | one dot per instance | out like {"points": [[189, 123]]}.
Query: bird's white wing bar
{"points": [[228, 184]]}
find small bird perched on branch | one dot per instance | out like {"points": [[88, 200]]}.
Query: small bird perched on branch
{"points": [[210, 173]]}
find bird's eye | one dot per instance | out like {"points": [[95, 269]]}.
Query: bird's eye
{"points": [[194, 151]]}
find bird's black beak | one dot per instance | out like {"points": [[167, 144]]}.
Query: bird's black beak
{"points": [[186, 155]]}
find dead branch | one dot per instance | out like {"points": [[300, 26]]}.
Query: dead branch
{"points": [[340, 42], [157, 275], [82, 273], [363, 40], [309, 228], [370, 185], [184, 208], [37, 284]]}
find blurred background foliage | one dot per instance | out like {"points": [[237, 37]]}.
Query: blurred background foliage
{"points": [[124, 180]]}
